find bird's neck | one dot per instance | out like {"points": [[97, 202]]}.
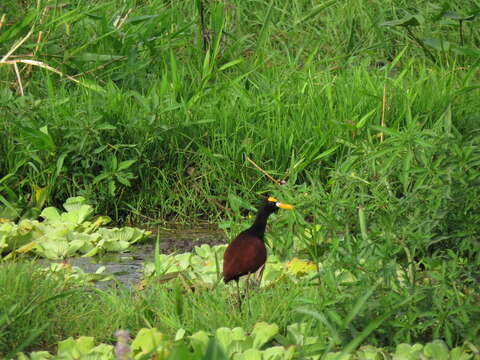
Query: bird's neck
{"points": [[260, 223]]}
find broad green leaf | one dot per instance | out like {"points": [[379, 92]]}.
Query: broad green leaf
{"points": [[406, 352], [214, 351], [116, 246], [230, 339], [180, 334], [204, 251], [82, 242], [199, 341], [122, 180], [300, 267], [78, 215], [84, 344], [369, 352], [128, 234], [101, 352], [53, 249], [147, 340], [66, 346], [459, 353], [126, 164], [278, 353], [296, 333], [182, 261], [101, 177], [94, 251], [181, 351], [437, 350], [51, 214], [272, 272], [250, 354], [74, 203], [95, 224], [262, 333]]}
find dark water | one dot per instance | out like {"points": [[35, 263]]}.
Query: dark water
{"points": [[128, 266]]}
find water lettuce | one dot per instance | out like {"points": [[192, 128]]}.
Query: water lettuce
{"points": [[64, 234]]}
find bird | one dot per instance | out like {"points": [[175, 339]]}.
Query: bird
{"points": [[247, 252]]}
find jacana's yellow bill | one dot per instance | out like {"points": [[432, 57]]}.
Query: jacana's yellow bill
{"points": [[279, 204], [284, 206]]}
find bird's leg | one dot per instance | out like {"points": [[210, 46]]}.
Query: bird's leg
{"points": [[238, 295], [247, 286], [259, 275]]}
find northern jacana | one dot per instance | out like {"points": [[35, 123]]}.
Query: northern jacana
{"points": [[247, 252]]}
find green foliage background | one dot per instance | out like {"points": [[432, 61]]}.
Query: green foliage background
{"points": [[159, 128], [368, 109]]}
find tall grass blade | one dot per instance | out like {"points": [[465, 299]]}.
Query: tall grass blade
{"points": [[355, 310], [15, 29], [315, 11], [262, 36]]}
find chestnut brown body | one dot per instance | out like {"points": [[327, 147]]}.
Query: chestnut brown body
{"points": [[245, 255]]}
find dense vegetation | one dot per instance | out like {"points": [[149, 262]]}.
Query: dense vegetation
{"points": [[367, 111]]}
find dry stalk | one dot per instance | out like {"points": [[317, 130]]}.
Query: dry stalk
{"points": [[3, 20], [15, 47], [264, 172], [19, 79], [119, 21], [39, 64]]}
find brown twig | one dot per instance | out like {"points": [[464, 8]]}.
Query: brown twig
{"points": [[205, 37], [218, 204], [264, 172]]}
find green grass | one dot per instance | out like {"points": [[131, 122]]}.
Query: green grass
{"points": [[374, 128], [40, 312], [282, 85], [61, 312]]}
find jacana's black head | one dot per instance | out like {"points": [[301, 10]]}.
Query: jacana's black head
{"points": [[269, 206], [270, 201]]}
